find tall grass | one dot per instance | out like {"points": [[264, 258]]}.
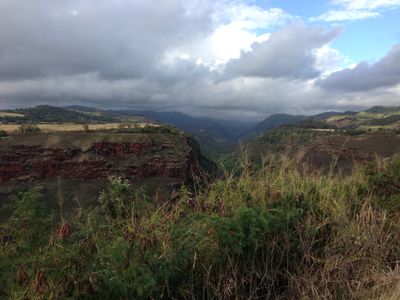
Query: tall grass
{"points": [[269, 233]]}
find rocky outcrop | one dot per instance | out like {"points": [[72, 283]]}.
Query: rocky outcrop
{"points": [[98, 156]]}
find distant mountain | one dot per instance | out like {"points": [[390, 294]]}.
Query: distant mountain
{"points": [[383, 109], [225, 130], [274, 121], [82, 108], [329, 114], [214, 136], [347, 138], [53, 114], [278, 120]]}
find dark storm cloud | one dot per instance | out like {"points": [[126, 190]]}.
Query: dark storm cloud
{"points": [[159, 55], [116, 39], [288, 53], [366, 77]]}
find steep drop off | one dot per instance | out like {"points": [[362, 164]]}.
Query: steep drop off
{"points": [[80, 155]]}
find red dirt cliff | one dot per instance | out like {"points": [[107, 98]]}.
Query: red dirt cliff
{"points": [[98, 156]]}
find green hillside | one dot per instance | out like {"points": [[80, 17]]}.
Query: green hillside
{"points": [[52, 114], [309, 210]]}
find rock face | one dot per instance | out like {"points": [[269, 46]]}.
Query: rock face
{"points": [[98, 156]]}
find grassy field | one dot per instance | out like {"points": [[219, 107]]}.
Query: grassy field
{"points": [[11, 128], [368, 115], [10, 114], [274, 233], [394, 126]]}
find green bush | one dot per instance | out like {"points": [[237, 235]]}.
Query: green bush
{"points": [[385, 180], [272, 233]]}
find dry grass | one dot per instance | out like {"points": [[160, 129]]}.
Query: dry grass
{"points": [[266, 233], [380, 127], [10, 114], [11, 128]]}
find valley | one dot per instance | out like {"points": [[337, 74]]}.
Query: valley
{"points": [[102, 195], [200, 149]]}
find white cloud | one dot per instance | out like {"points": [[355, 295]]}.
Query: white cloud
{"points": [[237, 26], [350, 10], [345, 15], [367, 4], [250, 17], [329, 60]]}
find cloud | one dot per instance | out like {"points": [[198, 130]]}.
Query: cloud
{"points": [[244, 98], [345, 15], [118, 39], [236, 27], [328, 60], [365, 76], [351, 10], [225, 58], [367, 4], [288, 53]]}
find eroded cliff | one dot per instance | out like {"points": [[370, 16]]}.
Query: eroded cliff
{"points": [[82, 155]]}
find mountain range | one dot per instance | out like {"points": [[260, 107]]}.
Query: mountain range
{"points": [[214, 136]]}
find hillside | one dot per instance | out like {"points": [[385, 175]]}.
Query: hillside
{"points": [[272, 233], [53, 114], [375, 118], [214, 136], [274, 121], [321, 147], [130, 213]]}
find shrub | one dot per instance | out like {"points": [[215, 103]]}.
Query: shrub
{"points": [[28, 128], [267, 234], [3, 133]]}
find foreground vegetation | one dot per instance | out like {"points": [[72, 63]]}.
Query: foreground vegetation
{"points": [[270, 233]]}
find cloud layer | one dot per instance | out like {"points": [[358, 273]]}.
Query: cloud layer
{"points": [[226, 58], [366, 77], [288, 53], [350, 10]]}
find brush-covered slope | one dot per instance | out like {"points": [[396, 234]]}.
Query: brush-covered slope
{"points": [[53, 114], [323, 148], [278, 120], [375, 118], [271, 234]]}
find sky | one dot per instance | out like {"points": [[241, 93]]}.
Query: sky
{"points": [[226, 59]]}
